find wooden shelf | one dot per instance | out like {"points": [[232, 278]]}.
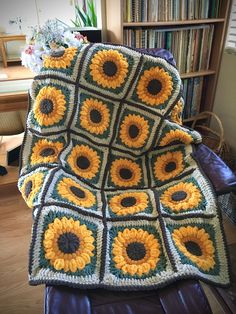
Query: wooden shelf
{"points": [[14, 60], [195, 74], [170, 23], [13, 101]]}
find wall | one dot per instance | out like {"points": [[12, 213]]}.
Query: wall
{"points": [[48, 9], [225, 100], [26, 9]]}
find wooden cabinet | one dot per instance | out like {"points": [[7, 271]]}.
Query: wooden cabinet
{"points": [[4, 38]]}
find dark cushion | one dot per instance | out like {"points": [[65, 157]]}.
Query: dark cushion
{"points": [[221, 176], [186, 296]]}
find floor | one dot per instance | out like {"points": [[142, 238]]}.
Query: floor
{"points": [[16, 296]]}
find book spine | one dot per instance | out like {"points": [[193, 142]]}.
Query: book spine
{"points": [[180, 47], [168, 40], [189, 50], [132, 9], [198, 96], [125, 10], [209, 46], [192, 49], [191, 10], [212, 9], [185, 89], [189, 96], [196, 53], [205, 49], [194, 109], [200, 63], [206, 9]]}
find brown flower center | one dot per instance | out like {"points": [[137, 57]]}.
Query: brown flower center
{"points": [[128, 201], [46, 106], [77, 192], [193, 248], [154, 87], [109, 68], [83, 162], [95, 116], [125, 173], [47, 152], [178, 196], [171, 166], [136, 251], [68, 243], [133, 131]]}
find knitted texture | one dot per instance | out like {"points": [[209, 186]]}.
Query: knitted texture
{"points": [[119, 201]]}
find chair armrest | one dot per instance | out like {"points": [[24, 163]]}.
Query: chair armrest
{"points": [[221, 176]]}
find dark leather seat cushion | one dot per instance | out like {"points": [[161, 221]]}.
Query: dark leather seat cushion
{"points": [[186, 296]]}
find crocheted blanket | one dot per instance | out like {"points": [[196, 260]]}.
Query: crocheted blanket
{"points": [[119, 201]]}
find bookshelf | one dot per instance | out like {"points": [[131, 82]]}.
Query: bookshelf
{"points": [[121, 24]]}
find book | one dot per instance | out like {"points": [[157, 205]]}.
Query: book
{"points": [[196, 52], [209, 45], [195, 99]]}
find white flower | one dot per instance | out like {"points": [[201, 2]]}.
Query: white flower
{"points": [[53, 36], [32, 57], [71, 40]]}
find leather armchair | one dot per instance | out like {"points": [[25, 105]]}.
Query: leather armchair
{"points": [[185, 296]]}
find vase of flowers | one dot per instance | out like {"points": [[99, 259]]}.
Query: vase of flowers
{"points": [[52, 38]]}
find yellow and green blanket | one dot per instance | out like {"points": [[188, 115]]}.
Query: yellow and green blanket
{"points": [[119, 201]]}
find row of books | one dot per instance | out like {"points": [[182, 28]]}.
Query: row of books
{"points": [[190, 46], [192, 94], [169, 10]]}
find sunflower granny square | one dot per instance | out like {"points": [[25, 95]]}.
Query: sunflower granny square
{"points": [[107, 167]]}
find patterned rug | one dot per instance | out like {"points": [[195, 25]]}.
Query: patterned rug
{"points": [[118, 199]]}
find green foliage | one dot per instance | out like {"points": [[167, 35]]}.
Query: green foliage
{"points": [[86, 17]]}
